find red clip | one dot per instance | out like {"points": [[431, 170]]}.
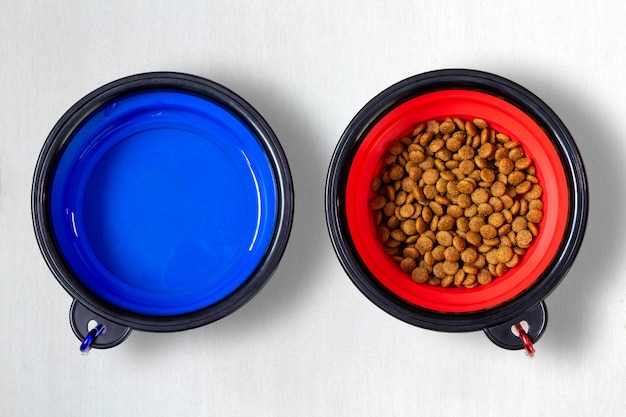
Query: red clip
{"points": [[528, 344]]}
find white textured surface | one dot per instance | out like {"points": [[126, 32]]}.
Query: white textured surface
{"points": [[309, 344]]}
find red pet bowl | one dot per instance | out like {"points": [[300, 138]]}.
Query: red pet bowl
{"points": [[508, 108]]}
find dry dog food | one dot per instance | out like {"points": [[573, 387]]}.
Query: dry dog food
{"points": [[456, 203]]}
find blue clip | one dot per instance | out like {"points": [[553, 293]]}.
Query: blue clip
{"points": [[85, 346]]}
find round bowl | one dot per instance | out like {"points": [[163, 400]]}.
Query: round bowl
{"points": [[508, 108], [161, 202]]}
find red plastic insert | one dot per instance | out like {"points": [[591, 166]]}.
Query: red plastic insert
{"points": [[501, 116]]}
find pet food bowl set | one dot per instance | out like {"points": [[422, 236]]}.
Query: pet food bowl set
{"points": [[164, 201]]}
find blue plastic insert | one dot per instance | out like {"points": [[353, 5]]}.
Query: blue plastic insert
{"points": [[163, 202]]}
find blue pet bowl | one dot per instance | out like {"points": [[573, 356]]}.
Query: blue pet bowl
{"points": [[161, 202]]}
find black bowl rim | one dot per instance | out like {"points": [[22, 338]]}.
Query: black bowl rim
{"points": [[215, 92], [447, 79]]}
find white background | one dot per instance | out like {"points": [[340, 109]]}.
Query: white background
{"points": [[310, 344]]}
